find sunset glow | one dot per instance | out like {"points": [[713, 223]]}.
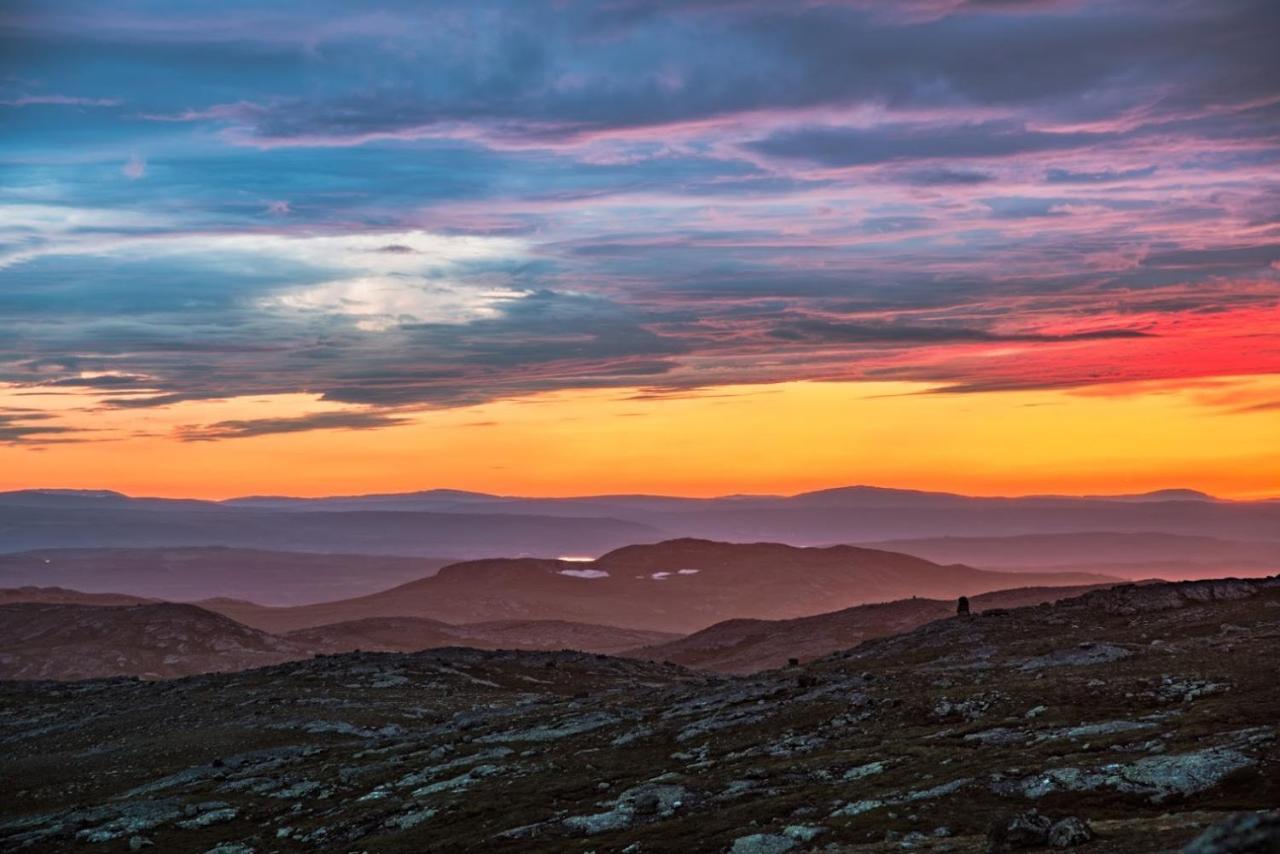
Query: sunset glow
{"points": [[782, 438]]}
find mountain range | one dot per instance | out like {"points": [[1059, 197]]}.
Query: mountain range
{"points": [[291, 551], [450, 523]]}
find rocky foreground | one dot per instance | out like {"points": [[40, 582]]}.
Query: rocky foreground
{"points": [[1135, 719]]}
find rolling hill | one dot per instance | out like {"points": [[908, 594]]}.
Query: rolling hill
{"points": [[746, 646], [60, 641], [676, 586], [67, 635], [409, 634], [63, 596]]}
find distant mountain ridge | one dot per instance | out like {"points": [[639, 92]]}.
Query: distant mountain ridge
{"points": [[471, 525], [202, 572], [30, 522], [1138, 555]]}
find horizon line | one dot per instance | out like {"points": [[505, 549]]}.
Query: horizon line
{"points": [[1191, 493]]}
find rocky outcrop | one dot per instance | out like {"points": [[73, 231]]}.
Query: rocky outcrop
{"points": [[1132, 599]]}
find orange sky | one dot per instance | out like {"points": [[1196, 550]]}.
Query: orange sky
{"points": [[1218, 435]]}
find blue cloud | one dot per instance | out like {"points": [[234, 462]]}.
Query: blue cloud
{"points": [[676, 182]]}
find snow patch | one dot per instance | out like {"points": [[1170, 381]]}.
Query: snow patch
{"points": [[660, 576], [585, 573]]}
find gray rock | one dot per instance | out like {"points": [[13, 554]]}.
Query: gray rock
{"points": [[214, 816], [651, 800], [1070, 832], [936, 791], [462, 781], [803, 832], [344, 728], [997, 736], [1133, 599], [1080, 656], [301, 789], [858, 808], [412, 819], [417, 778], [762, 843], [632, 736], [601, 822], [555, 732], [130, 819], [1024, 830], [1186, 690], [1158, 778], [867, 770], [1093, 730]]}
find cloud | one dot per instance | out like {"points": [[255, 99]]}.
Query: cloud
{"points": [[244, 429], [1234, 258], [947, 177], [58, 101], [27, 427], [1265, 406], [422, 205], [435, 277], [643, 72], [1105, 176], [837, 147], [836, 331], [1023, 207]]}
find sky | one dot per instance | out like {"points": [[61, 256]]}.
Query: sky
{"points": [[699, 247]]}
